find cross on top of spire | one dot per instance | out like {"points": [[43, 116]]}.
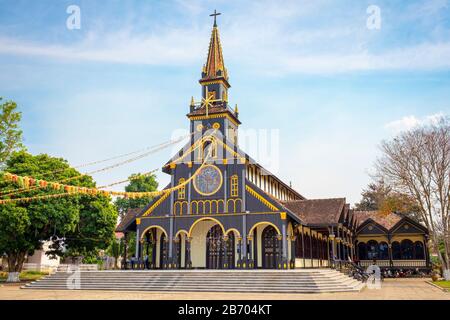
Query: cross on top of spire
{"points": [[215, 14]]}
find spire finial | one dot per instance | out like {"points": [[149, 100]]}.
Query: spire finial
{"points": [[215, 14]]}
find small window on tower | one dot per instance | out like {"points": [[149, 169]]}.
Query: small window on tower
{"points": [[182, 190], [234, 186], [209, 147]]}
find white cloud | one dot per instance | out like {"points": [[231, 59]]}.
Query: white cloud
{"points": [[180, 48], [409, 122], [273, 47]]}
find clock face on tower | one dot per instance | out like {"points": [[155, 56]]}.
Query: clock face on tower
{"points": [[208, 181]]}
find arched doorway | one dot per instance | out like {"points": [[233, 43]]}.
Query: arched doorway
{"points": [[270, 248], [153, 248], [214, 248]]}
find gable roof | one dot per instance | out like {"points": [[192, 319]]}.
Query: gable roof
{"points": [[317, 211], [387, 221], [186, 150], [128, 219]]}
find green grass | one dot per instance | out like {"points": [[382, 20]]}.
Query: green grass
{"points": [[25, 275], [443, 284]]}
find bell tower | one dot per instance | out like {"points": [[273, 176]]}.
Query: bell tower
{"points": [[213, 111]]}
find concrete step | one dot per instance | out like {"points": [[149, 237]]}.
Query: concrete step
{"points": [[277, 281]]}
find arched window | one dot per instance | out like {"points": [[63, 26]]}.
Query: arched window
{"points": [[383, 251], [362, 251], [234, 186], [407, 250], [372, 250], [208, 147], [396, 251], [182, 190], [419, 252]]}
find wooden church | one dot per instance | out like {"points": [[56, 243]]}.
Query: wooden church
{"points": [[225, 211]]}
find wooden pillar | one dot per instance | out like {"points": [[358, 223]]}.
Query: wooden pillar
{"points": [[311, 248], [293, 245], [250, 253], [176, 253], [352, 248], [136, 252], [328, 251], [125, 250], [187, 258], [427, 253], [303, 248], [141, 254], [332, 237], [319, 251], [225, 262], [239, 246], [154, 248], [391, 262], [244, 239], [147, 244]]}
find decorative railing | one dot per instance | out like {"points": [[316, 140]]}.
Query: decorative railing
{"points": [[409, 263], [380, 263], [395, 263]]}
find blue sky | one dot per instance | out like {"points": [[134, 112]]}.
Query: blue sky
{"points": [[310, 69]]}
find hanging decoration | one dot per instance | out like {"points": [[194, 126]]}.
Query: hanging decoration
{"points": [[67, 190], [27, 185]]}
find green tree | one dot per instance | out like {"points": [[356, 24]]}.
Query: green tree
{"points": [[373, 196], [115, 250], [138, 183], [381, 197], [10, 134], [77, 224]]}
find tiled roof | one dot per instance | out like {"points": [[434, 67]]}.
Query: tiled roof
{"points": [[317, 211], [127, 219], [385, 220], [214, 63]]}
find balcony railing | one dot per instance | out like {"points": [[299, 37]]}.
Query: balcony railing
{"points": [[395, 263]]}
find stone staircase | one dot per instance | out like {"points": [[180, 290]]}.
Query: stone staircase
{"points": [[256, 281]]}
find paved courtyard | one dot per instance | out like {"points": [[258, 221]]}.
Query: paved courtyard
{"points": [[392, 289]]}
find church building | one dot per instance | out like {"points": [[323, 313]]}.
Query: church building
{"points": [[223, 210]]}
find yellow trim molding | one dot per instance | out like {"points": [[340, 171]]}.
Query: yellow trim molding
{"points": [[153, 226], [261, 198], [264, 222], [206, 218], [156, 204], [214, 116]]}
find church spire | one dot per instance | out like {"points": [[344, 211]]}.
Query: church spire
{"points": [[213, 110], [214, 67]]}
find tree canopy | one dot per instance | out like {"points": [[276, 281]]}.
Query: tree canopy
{"points": [[10, 134], [417, 163], [382, 197], [78, 224], [138, 183]]}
